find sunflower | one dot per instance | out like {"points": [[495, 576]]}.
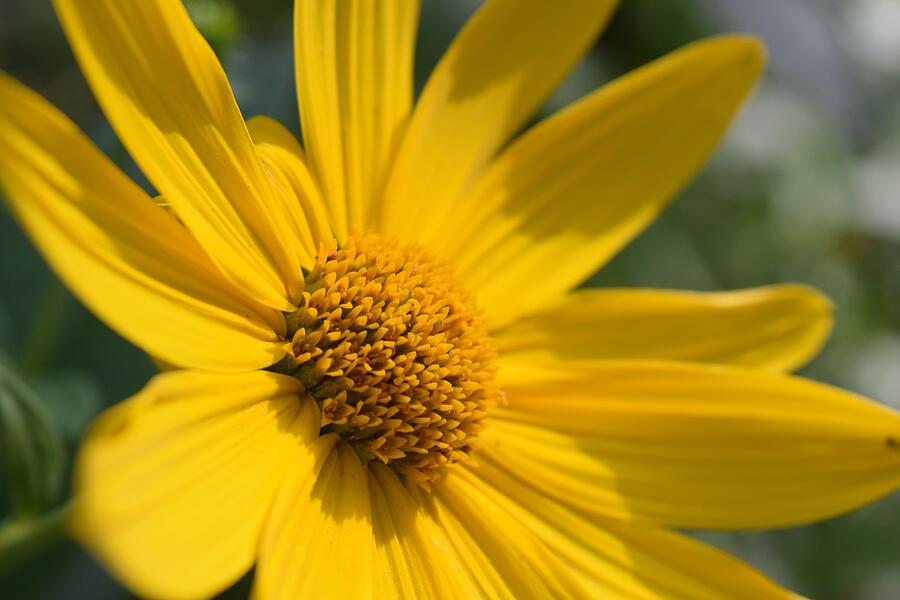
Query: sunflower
{"points": [[383, 382]]}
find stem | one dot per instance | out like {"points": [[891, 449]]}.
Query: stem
{"points": [[46, 323], [24, 537]]}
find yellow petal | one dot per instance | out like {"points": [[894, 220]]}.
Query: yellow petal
{"points": [[572, 191], [354, 63], [127, 259], [695, 446], [305, 213], [169, 101], [173, 485], [616, 559], [421, 550], [400, 571], [499, 70], [778, 327], [525, 563], [318, 542]]}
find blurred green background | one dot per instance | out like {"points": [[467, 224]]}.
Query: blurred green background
{"points": [[805, 188]]}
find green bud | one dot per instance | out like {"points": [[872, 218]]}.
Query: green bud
{"points": [[32, 452]]}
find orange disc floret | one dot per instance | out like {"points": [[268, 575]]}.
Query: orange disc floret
{"points": [[395, 353]]}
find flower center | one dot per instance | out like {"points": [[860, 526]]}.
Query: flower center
{"points": [[395, 353]]}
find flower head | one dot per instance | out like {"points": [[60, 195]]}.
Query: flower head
{"points": [[384, 381], [395, 353]]}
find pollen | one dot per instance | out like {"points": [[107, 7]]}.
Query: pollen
{"points": [[395, 353]]}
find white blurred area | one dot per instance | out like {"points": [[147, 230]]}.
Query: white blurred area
{"points": [[872, 28]]}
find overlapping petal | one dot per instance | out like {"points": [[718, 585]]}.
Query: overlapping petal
{"points": [[695, 446], [133, 264], [173, 485], [527, 567], [777, 327], [616, 559], [354, 63], [499, 70], [569, 193], [318, 541], [304, 209], [422, 551], [167, 97]]}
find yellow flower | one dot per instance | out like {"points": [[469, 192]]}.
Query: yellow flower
{"points": [[385, 384]]}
